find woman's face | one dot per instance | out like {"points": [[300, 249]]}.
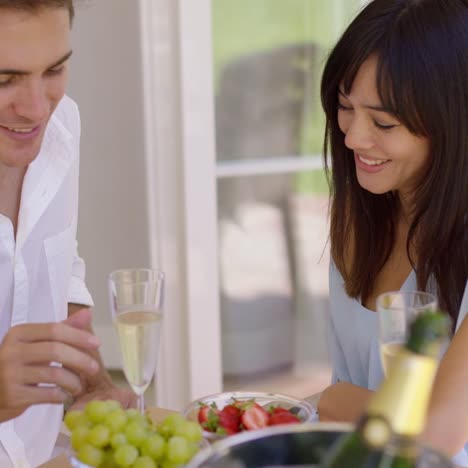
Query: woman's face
{"points": [[388, 157]]}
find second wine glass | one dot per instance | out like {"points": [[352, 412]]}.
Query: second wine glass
{"points": [[396, 310], [136, 303]]}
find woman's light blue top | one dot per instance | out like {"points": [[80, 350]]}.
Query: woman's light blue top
{"points": [[353, 339]]}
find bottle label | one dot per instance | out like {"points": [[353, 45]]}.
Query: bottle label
{"points": [[403, 397]]}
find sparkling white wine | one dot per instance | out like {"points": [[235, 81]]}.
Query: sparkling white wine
{"points": [[388, 351], [139, 334]]}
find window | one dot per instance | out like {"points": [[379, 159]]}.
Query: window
{"points": [[271, 189]]}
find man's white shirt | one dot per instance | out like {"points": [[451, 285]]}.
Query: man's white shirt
{"points": [[41, 272]]}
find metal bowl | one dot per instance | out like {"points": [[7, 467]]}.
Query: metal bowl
{"points": [[303, 409], [299, 445]]}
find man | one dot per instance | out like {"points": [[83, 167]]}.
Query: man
{"points": [[47, 349]]}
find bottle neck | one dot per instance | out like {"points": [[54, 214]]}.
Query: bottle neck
{"points": [[403, 397]]}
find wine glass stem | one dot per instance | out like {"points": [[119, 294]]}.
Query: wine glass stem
{"points": [[141, 403]]}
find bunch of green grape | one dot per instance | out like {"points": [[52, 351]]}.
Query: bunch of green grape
{"points": [[105, 435]]}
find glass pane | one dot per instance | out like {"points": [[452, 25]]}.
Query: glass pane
{"points": [[274, 286], [268, 58]]}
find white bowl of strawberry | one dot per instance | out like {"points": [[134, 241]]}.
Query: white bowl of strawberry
{"points": [[229, 413]]}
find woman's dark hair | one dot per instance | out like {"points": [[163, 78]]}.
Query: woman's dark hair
{"points": [[421, 48], [35, 5]]}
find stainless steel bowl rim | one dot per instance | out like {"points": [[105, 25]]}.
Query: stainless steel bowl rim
{"points": [[225, 444]]}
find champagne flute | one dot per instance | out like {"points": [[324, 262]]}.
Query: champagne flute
{"points": [[396, 310], [136, 303]]}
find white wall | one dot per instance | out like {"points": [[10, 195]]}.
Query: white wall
{"points": [[106, 82]]}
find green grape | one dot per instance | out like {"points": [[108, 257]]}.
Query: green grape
{"points": [[125, 455], [90, 455], [135, 433], [79, 437], [108, 460], [168, 464], [113, 405], [170, 424], [75, 418], [116, 420], [189, 430], [134, 415], [117, 439], [194, 448], [107, 436], [144, 462], [178, 450], [98, 435], [154, 446], [96, 410]]}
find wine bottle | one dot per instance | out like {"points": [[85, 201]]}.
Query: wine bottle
{"points": [[386, 435]]}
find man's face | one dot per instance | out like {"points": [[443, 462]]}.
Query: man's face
{"points": [[34, 52]]}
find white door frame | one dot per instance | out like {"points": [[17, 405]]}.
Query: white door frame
{"points": [[180, 153]]}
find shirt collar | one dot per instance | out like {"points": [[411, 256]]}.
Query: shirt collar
{"points": [[45, 175]]}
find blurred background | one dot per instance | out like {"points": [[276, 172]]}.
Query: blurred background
{"points": [[201, 155]]}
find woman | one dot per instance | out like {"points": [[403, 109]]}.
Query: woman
{"points": [[395, 94]]}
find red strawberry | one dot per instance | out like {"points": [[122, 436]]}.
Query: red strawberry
{"points": [[254, 417], [208, 417], [283, 417], [229, 419]]}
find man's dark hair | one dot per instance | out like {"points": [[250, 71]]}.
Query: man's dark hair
{"points": [[35, 5]]}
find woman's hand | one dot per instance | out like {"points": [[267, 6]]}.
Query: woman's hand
{"points": [[343, 402]]}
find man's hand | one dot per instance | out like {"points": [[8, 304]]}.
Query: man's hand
{"points": [[98, 386], [26, 353], [127, 398]]}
